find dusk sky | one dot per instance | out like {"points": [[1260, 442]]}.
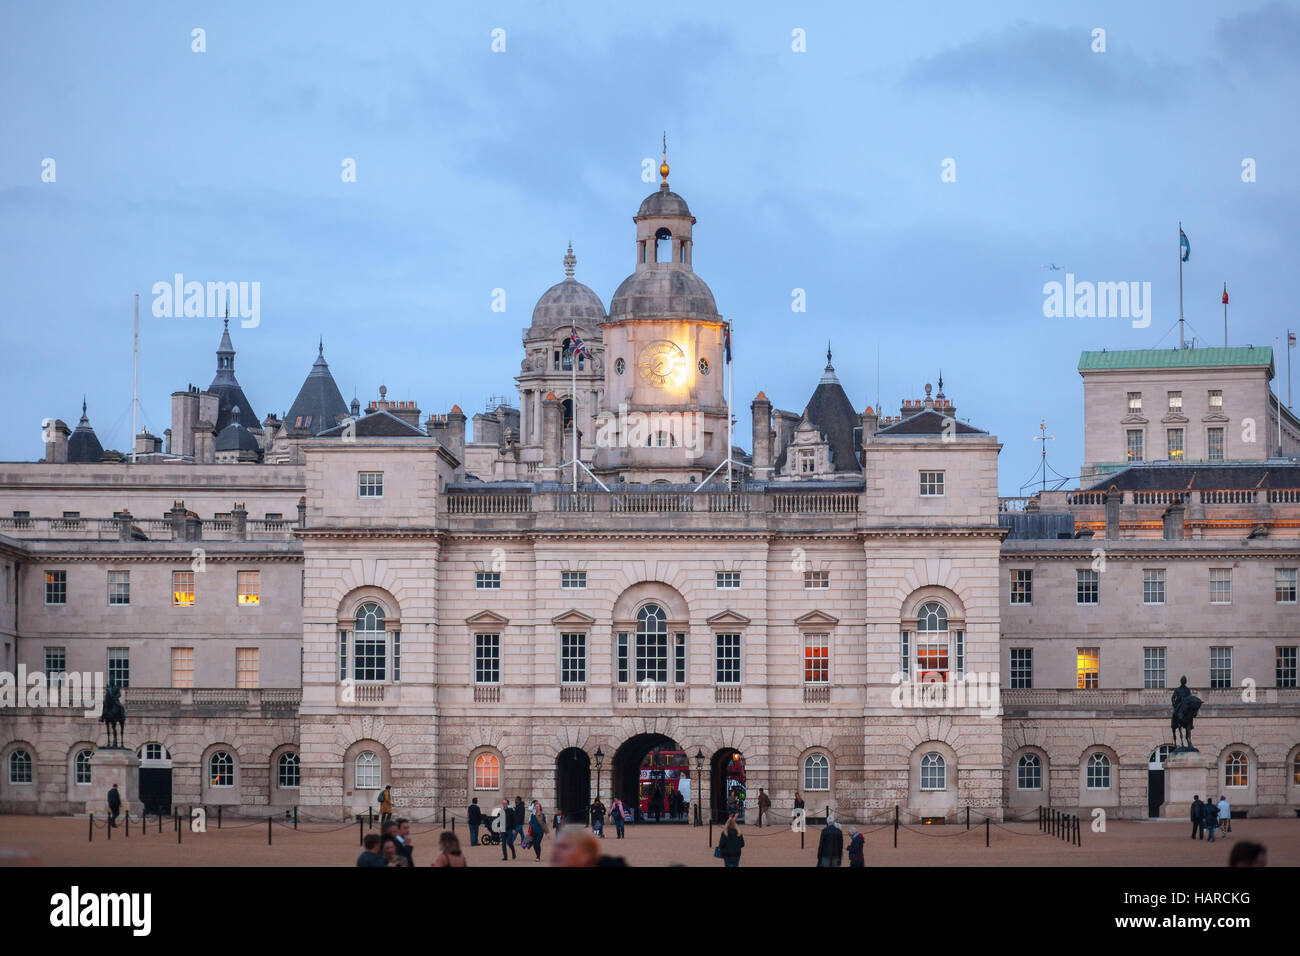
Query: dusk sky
{"points": [[817, 170]]}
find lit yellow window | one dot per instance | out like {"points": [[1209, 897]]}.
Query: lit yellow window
{"points": [[250, 587], [1089, 667], [182, 589], [246, 667], [182, 667]]}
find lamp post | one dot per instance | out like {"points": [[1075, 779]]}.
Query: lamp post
{"points": [[600, 759], [699, 784]]}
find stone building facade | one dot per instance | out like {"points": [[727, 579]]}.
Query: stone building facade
{"points": [[306, 610]]}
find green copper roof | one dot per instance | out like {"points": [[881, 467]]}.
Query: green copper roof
{"points": [[1174, 358]]}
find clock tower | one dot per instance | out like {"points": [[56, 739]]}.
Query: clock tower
{"points": [[664, 416]]}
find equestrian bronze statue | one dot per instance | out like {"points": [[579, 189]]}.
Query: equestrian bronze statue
{"points": [[1185, 707], [114, 716]]}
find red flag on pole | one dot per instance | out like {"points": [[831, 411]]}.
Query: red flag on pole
{"points": [[1225, 293]]}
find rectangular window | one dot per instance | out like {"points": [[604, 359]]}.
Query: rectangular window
{"points": [[726, 580], [807, 461], [369, 655], [1175, 403], [931, 657], [487, 658], [56, 587], [487, 580], [182, 667], [249, 588], [182, 589], [1214, 444], [1220, 668], [621, 663], [959, 653], [1133, 442], [1286, 666], [343, 655], [1022, 586], [1153, 586], [651, 656], [813, 580], [1174, 442], [905, 653], [397, 654], [119, 666], [679, 660], [816, 659], [1216, 400], [1022, 668], [573, 658], [1088, 668], [1220, 585], [119, 587], [573, 579], [246, 667], [1087, 585], [1153, 668], [56, 666], [370, 484], [1135, 403], [931, 484], [1284, 585], [726, 658]]}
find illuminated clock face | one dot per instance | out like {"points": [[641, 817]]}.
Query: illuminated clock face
{"points": [[662, 363]]}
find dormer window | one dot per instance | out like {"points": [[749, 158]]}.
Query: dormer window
{"points": [[807, 461]]}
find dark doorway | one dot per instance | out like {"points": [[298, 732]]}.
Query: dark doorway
{"points": [[156, 790], [573, 783], [727, 792], [637, 785], [1156, 779]]}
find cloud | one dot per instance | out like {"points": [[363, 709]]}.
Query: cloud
{"points": [[1265, 37]]}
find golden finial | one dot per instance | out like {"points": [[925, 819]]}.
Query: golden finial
{"points": [[663, 167]]}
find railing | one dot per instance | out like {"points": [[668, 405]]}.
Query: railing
{"points": [[816, 503], [1159, 497], [574, 502], [368, 693], [222, 696], [487, 694], [816, 693], [728, 501], [573, 694], [652, 502], [1009, 505], [1232, 496], [513, 503], [1086, 498], [726, 694], [1289, 496]]}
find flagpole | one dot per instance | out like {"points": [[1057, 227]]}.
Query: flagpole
{"points": [[1225, 315], [573, 368], [1181, 342], [1279, 405], [731, 377], [135, 373], [1289, 346]]}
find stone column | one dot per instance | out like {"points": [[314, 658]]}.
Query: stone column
{"points": [[238, 522], [552, 419], [116, 766]]}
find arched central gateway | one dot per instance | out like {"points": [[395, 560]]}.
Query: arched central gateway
{"points": [[573, 783], [646, 775]]}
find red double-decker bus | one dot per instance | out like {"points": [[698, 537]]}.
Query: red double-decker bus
{"points": [[662, 769]]}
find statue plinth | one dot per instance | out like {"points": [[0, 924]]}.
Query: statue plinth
{"points": [[113, 765], [1187, 775]]}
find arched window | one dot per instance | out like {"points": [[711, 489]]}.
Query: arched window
{"points": [[934, 772], [651, 644], [663, 245], [487, 772], [288, 770], [81, 767], [1029, 772], [367, 770], [1235, 770], [932, 643], [154, 754], [370, 645], [1098, 772], [816, 772], [221, 769], [20, 767]]}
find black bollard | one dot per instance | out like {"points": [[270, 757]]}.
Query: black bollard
{"points": [[268, 831], [986, 831], [710, 831], [218, 816], [295, 817], [178, 827], [370, 817], [160, 821], [108, 830], [92, 829], [128, 823], [361, 831], [895, 830], [444, 818], [968, 816], [453, 825]]}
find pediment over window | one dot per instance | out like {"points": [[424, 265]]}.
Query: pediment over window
{"points": [[727, 618], [573, 618], [487, 618], [1174, 420], [1216, 418], [817, 619], [1133, 420]]}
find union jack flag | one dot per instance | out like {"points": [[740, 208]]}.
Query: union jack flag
{"points": [[576, 346]]}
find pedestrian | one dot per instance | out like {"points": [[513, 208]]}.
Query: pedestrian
{"points": [[657, 802], [764, 806], [1248, 853], [730, 843], [386, 804], [557, 818], [1198, 816], [619, 816], [575, 848], [830, 847], [504, 824], [403, 837], [388, 846], [114, 805], [684, 789], [798, 805], [450, 855], [521, 823], [857, 849], [537, 828], [1225, 815], [474, 818], [1211, 824], [597, 820], [370, 855]]}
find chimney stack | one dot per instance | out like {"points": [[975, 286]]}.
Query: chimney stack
{"points": [[761, 409], [56, 442]]}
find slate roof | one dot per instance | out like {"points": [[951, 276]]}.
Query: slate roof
{"points": [[1175, 358], [235, 437], [1152, 476], [319, 401], [378, 424], [226, 388], [928, 422], [83, 445]]}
